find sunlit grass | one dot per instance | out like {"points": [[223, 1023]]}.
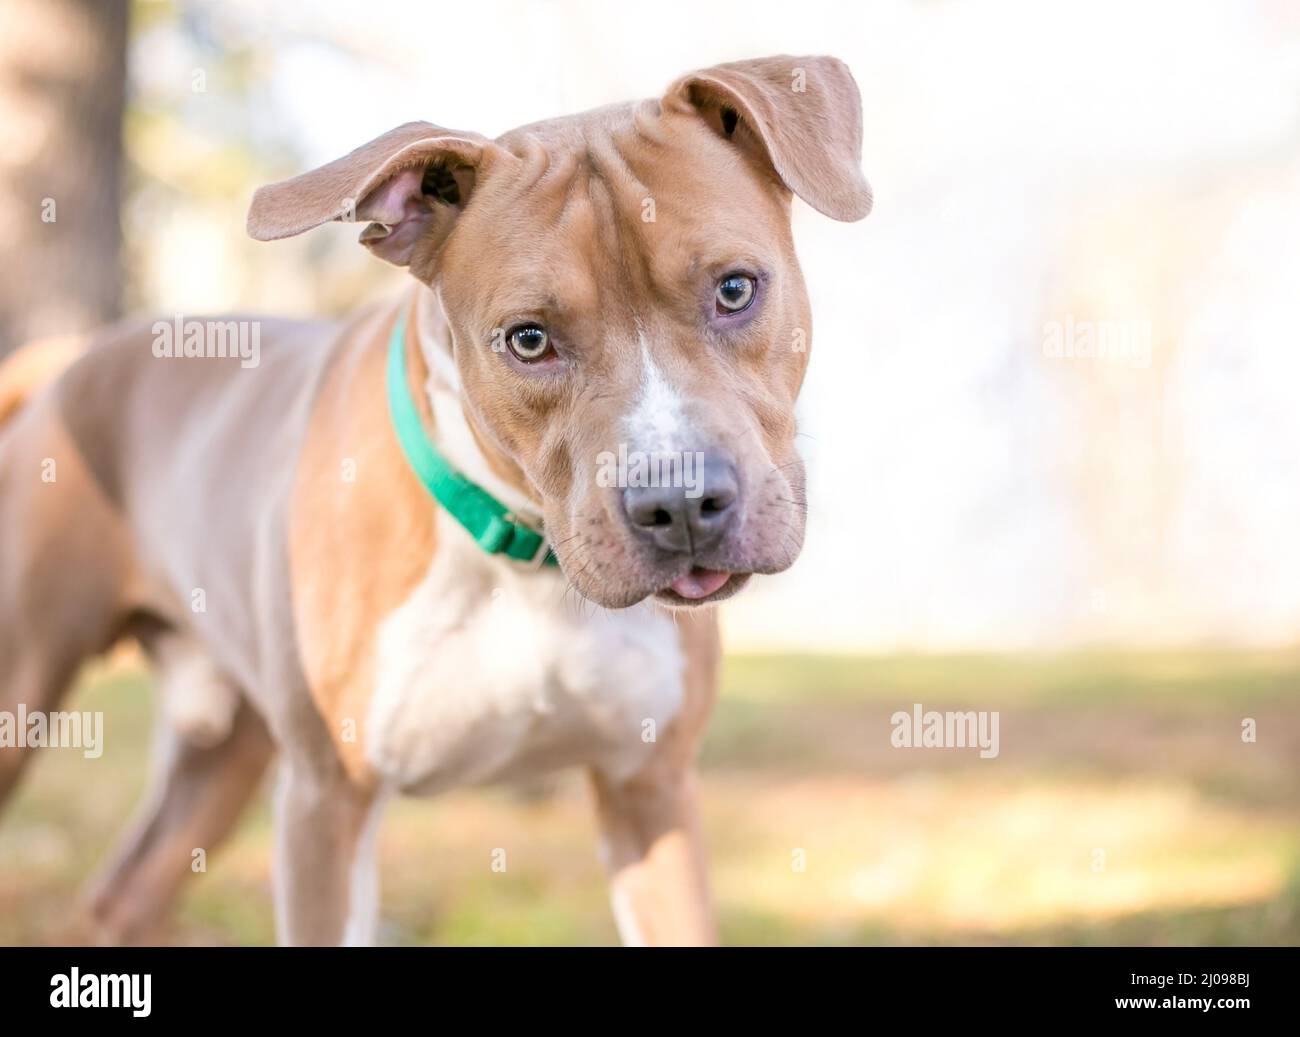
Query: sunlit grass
{"points": [[1123, 807]]}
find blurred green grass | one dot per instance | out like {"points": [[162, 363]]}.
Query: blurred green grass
{"points": [[1136, 756]]}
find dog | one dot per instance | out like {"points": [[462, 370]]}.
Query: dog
{"points": [[393, 554]]}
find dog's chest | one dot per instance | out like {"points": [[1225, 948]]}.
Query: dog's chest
{"points": [[489, 671]]}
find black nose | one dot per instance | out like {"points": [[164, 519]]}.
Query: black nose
{"points": [[685, 519]]}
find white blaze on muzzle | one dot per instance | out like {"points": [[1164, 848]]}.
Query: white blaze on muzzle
{"points": [[657, 421]]}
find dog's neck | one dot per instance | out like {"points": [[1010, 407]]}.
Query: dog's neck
{"points": [[466, 444]]}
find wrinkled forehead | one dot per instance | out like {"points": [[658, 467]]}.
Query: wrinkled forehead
{"points": [[597, 209]]}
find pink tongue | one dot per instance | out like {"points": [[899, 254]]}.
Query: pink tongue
{"points": [[699, 583]]}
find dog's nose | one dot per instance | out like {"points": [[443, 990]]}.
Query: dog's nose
{"points": [[685, 519]]}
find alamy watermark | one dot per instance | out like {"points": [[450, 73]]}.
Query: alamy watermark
{"points": [[209, 339], [1115, 341], [636, 468], [75, 989], [21, 729], [931, 729]]}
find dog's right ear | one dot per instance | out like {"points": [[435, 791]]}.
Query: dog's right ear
{"points": [[803, 114], [408, 185]]}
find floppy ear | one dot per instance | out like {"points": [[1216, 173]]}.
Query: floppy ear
{"points": [[409, 185], [803, 113]]}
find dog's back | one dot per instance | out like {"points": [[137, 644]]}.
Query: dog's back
{"points": [[34, 366]]}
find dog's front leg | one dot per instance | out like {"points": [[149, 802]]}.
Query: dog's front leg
{"points": [[652, 848], [326, 890]]}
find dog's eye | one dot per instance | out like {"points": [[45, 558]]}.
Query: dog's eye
{"points": [[734, 293], [529, 342]]}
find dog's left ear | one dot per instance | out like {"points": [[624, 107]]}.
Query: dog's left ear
{"points": [[804, 113], [409, 185]]}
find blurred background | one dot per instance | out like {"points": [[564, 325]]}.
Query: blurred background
{"points": [[1050, 421]]}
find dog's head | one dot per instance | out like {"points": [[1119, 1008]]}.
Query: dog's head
{"points": [[628, 321]]}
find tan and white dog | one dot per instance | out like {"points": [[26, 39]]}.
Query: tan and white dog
{"points": [[612, 283]]}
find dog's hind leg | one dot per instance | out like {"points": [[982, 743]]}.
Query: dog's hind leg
{"points": [[63, 564], [35, 684], [197, 794]]}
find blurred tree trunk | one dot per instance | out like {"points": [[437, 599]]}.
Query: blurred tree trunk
{"points": [[62, 89]]}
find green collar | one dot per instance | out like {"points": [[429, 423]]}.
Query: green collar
{"points": [[486, 518]]}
